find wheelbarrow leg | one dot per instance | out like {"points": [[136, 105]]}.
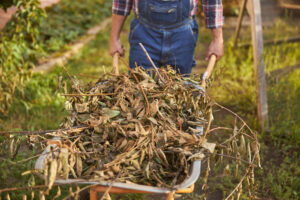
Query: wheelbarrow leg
{"points": [[170, 196], [93, 194]]}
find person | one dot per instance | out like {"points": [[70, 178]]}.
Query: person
{"points": [[168, 30]]}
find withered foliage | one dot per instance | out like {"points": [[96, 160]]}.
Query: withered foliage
{"points": [[133, 126]]}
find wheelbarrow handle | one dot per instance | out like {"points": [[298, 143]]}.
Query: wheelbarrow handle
{"points": [[211, 64], [116, 63]]}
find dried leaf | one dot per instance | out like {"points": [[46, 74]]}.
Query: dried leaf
{"points": [[58, 194], [42, 195], [163, 157], [82, 107], [64, 157], [32, 195], [136, 164], [209, 146], [115, 169], [111, 113], [153, 108], [78, 165], [106, 197], [142, 157], [52, 173], [7, 197]]}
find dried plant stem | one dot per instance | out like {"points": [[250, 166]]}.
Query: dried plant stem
{"points": [[24, 160], [124, 62], [71, 78], [81, 189], [238, 185], [219, 128], [89, 76], [110, 186], [88, 95], [210, 119], [152, 63], [232, 137], [32, 187], [233, 113], [41, 132]]}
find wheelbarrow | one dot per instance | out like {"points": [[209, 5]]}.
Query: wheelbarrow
{"points": [[123, 188]]}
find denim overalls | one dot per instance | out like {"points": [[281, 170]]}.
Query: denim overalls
{"points": [[168, 33]]}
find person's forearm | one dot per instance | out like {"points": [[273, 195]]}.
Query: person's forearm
{"points": [[217, 34], [116, 28], [216, 45]]}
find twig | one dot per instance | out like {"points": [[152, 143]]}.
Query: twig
{"points": [[89, 95], [233, 113], [89, 76], [219, 128], [152, 63], [124, 62], [209, 122], [34, 187], [72, 78], [40, 132], [24, 160], [78, 191], [238, 185], [231, 138], [110, 186]]}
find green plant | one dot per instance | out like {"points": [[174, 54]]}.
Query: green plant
{"points": [[16, 47], [30, 36], [68, 20]]}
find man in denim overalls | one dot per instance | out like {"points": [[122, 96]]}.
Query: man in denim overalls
{"points": [[168, 29]]}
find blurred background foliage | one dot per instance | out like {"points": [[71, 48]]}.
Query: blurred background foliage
{"points": [[31, 36]]}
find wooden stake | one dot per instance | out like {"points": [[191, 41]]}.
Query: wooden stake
{"points": [[254, 9], [240, 19]]}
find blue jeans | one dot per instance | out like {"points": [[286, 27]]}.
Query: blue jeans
{"points": [[170, 41]]}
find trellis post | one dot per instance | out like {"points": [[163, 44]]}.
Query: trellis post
{"points": [[254, 10]]}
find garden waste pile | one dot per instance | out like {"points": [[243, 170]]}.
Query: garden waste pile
{"points": [[142, 129], [131, 128]]}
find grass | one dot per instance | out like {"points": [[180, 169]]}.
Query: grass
{"points": [[233, 86]]}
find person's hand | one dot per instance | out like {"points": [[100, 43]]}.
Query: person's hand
{"points": [[116, 47], [216, 48]]}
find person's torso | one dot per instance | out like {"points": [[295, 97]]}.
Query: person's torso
{"points": [[192, 3]]}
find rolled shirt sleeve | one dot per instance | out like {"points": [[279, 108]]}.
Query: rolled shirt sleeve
{"points": [[213, 11], [122, 7]]}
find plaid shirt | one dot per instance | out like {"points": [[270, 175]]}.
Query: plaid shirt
{"points": [[213, 10]]}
